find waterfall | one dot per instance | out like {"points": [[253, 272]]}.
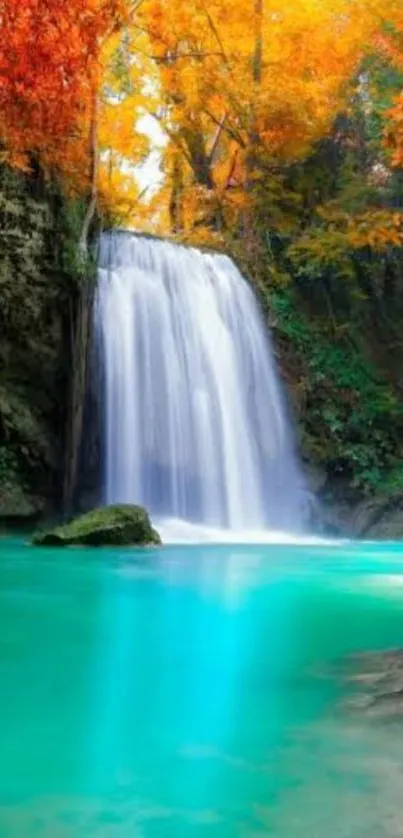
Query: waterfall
{"points": [[194, 421]]}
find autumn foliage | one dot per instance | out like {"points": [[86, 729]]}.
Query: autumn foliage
{"points": [[49, 61], [240, 90]]}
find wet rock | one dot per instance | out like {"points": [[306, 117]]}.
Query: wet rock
{"points": [[379, 518], [109, 525]]}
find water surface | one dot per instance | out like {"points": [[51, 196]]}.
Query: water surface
{"points": [[195, 691]]}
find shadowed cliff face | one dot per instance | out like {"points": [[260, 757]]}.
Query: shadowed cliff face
{"points": [[30, 352], [38, 287]]}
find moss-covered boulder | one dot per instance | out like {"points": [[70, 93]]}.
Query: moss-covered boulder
{"points": [[108, 525]]}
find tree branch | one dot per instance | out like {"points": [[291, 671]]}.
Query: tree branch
{"points": [[216, 140]]}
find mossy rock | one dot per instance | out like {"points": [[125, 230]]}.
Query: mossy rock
{"points": [[17, 500], [108, 525]]}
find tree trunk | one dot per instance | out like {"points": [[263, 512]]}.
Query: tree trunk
{"points": [[201, 164], [251, 160], [79, 356], [258, 50], [176, 197], [80, 328]]}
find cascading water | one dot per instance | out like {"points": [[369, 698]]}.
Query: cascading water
{"points": [[195, 426]]}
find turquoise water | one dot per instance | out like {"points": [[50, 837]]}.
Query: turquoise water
{"points": [[195, 691]]}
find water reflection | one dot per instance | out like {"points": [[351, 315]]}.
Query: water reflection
{"points": [[166, 682]]}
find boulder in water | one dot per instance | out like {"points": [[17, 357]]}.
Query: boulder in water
{"points": [[108, 525]]}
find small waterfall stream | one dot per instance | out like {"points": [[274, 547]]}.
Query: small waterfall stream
{"points": [[195, 425]]}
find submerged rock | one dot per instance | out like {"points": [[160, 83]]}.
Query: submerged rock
{"points": [[378, 681], [108, 525]]}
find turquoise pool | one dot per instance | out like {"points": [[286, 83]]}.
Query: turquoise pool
{"points": [[196, 691]]}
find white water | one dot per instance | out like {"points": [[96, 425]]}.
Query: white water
{"points": [[177, 531], [195, 425]]}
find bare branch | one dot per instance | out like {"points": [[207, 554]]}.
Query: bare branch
{"points": [[216, 140], [216, 35], [232, 132]]}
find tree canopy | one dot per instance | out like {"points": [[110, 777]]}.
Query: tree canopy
{"points": [[242, 91]]}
